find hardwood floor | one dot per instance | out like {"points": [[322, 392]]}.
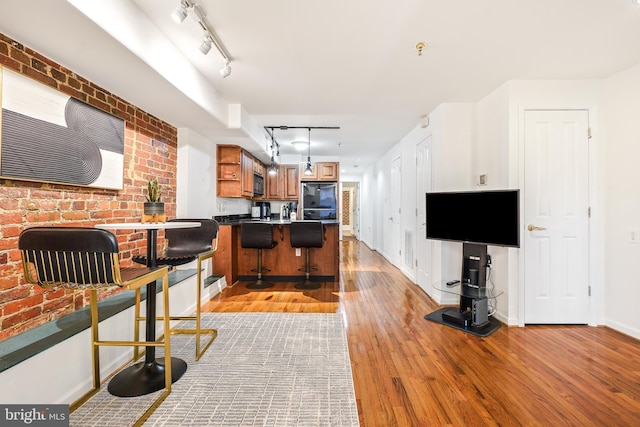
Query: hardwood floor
{"points": [[409, 371]]}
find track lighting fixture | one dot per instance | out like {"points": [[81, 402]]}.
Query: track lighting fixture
{"points": [[308, 170], [180, 14], [205, 46], [274, 146], [209, 39], [226, 70]]}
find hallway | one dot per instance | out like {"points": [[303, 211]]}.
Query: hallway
{"points": [[409, 371]]}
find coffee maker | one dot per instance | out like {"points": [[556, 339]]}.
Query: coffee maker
{"points": [[265, 210]]}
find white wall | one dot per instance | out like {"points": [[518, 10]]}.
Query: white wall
{"points": [[195, 196], [196, 177], [622, 185]]}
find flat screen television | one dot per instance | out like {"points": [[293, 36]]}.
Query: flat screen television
{"points": [[484, 217]]}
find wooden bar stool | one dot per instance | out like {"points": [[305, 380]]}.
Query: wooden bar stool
{"points": [[307, 235], [257, 235]]}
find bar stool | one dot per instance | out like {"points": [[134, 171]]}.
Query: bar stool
{"points": [[257, 235], [307, 234], [88, 259], [184, 245]]}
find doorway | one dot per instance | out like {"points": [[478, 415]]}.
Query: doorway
{"points": [[556, 217], [350, 211]]}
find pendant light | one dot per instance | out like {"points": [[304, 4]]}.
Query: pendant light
{"points": [[272, 166], [307, 170]]}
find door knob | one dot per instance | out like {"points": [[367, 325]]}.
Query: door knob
{"points": [[532, 227]]}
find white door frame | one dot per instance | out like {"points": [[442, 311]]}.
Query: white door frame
{"points": [[596, 224]]}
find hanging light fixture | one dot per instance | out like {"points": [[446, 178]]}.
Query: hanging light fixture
{"points": [[272, 166], [308, 170]]}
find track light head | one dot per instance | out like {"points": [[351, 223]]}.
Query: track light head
{"points": [[226, 70], [205, 46], [180, 14]]}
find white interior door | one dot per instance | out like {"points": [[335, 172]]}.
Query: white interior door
{"points": [[355, 204], [556, 219], [423, 246], [395, 200]]}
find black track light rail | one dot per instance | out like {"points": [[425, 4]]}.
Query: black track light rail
{"points": [[297, 127]]}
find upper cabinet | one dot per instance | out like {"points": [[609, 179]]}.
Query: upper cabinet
{"points": [[291, 185], [321, 171], [235, 172], [284, 184]]}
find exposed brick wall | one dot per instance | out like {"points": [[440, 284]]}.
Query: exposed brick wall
{"points": [[150, 151]]}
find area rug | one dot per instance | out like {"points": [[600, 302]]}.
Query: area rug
{"points": [[264, 369]]}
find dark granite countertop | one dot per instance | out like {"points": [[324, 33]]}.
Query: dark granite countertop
{"points": [[239, 219]]}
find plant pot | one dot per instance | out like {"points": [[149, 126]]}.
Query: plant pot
{"points": [[153, 208]]}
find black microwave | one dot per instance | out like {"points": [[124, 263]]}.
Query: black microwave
{"points": [[258, 185]]}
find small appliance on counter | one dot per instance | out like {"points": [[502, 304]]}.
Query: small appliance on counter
{"points": [[255, 212], [265, 210], [284, 211], [293, 208]]}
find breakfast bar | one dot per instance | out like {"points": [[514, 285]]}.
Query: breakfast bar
{"points": [[236, 263]]}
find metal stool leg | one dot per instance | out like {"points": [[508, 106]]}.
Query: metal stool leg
{"points": [[307, 284], [260, 284]]}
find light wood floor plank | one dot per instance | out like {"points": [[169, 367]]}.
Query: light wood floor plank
{"points": [[409, 371]]}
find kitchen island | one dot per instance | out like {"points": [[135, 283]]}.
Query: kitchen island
{"points": [[236, 262]]}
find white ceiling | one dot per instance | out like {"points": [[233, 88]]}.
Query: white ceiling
{"points": [[346, 63]]}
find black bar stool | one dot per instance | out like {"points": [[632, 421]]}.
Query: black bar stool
{"points": [[307, 234], [258, 235]]}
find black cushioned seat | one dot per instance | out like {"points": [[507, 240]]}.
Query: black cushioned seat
{"points": [[307, 234], [87, 259], [257, 235], [182, 246]]}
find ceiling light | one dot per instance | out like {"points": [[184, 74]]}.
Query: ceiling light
{"points": [[272, 167], [226, 70], [300, 145], [205, 46], [180, 14]]}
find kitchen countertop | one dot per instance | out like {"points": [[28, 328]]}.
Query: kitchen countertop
{"points": [[238, 221]]}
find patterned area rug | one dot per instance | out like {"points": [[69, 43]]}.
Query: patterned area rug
{"points": [[264, 369]]}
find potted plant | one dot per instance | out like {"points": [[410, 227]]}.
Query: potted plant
{"points": [[153, 206]]}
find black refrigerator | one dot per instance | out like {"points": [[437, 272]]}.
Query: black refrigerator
{"points": [[319, 200]]}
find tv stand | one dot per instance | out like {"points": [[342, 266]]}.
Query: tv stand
{"points": [[472, 315]]}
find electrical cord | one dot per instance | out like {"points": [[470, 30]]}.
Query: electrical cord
{"points": [[492, 301]]}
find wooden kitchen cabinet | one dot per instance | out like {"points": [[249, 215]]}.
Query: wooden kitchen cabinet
{"points": [[322, 171], [284, 184], [235, 172], [291, 182], [274, 185]]}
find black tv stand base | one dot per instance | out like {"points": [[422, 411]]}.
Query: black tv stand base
{"points": [[452, 317]]}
